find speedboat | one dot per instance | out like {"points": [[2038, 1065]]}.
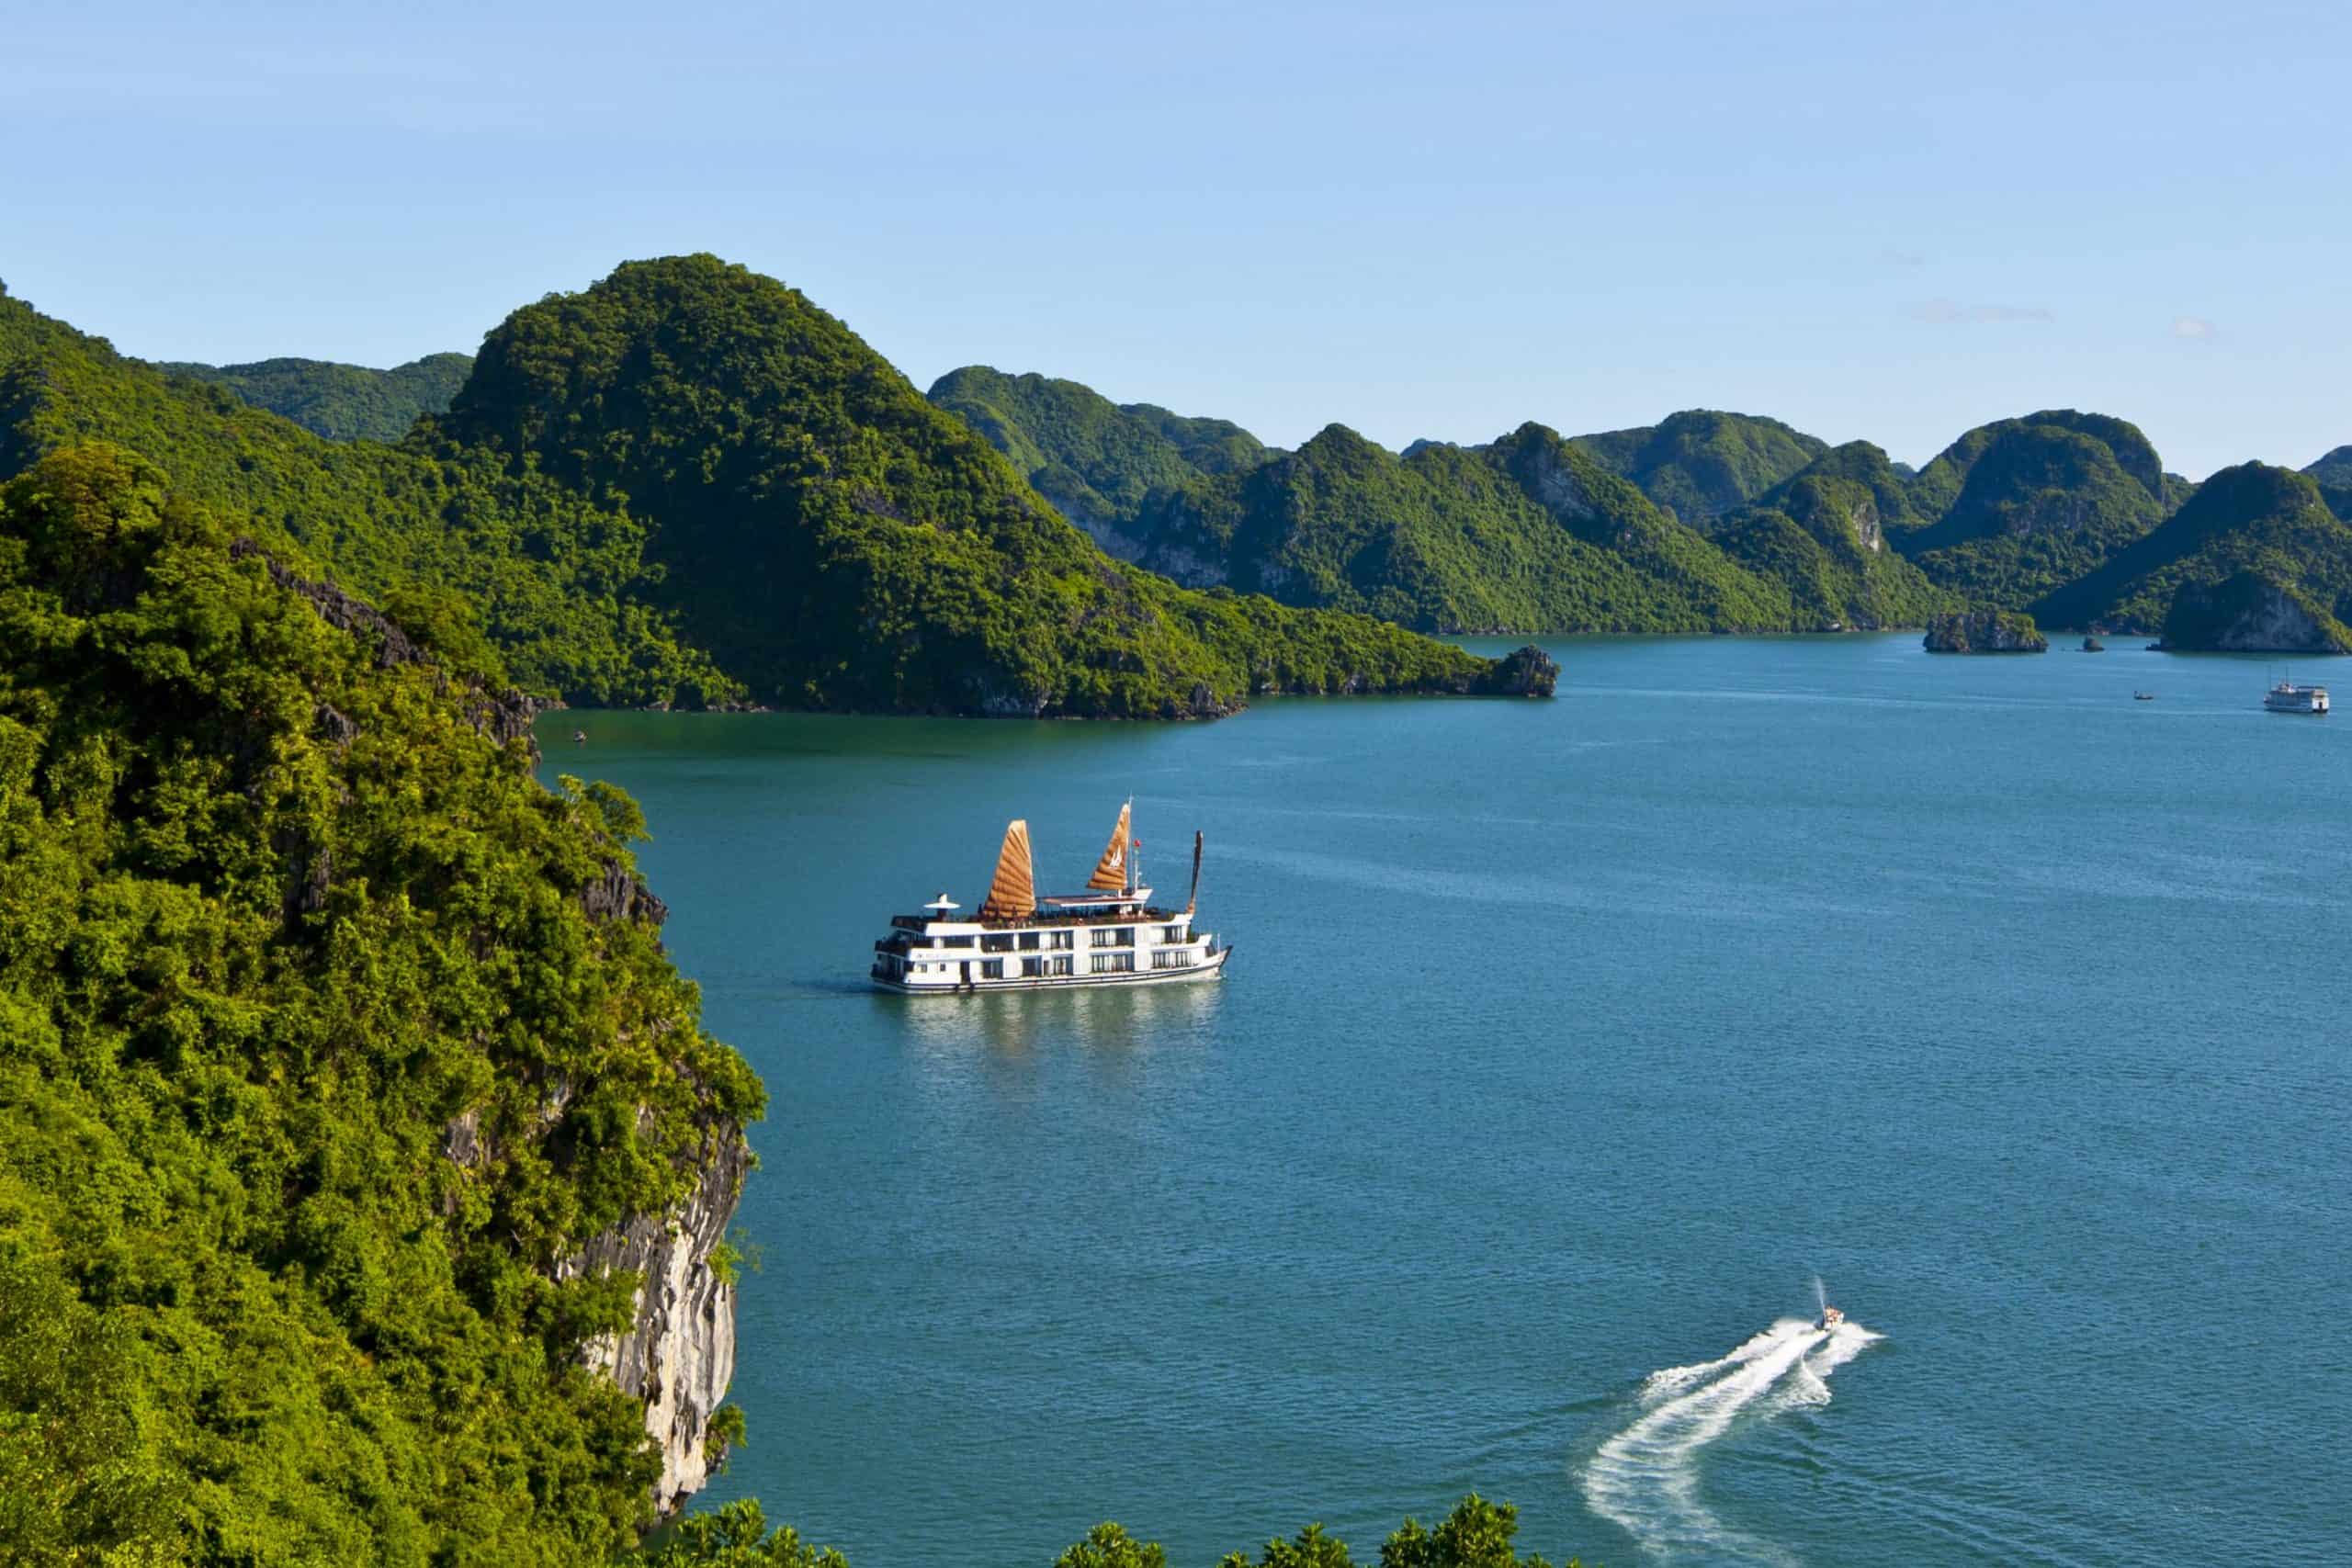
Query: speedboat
{"points": [[2143, 697], [1830, 1318]]}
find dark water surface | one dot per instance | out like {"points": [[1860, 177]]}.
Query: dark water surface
{"points": [[1566, 1044]]}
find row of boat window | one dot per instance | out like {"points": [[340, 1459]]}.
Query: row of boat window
{"points": [[1044, 966], [1030, 941]]}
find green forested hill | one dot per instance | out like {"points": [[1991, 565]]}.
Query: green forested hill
{"points": [[281, 904], [1701, 464], [837, 541], [1528, 533], [1093, 459], [342, 403], [2254, 519], [2335, 470], [1824, 534], [1212, 446], [2021, 507], [453, 538], [928, 576]]}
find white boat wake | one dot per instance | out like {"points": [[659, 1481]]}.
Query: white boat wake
{"points": [[1646, 1478]]}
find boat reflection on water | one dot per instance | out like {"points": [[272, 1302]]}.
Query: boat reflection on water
{"points": [[1132, 1019]]}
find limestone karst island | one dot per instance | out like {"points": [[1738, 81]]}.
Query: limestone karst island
{"points": [[1462, 787]]}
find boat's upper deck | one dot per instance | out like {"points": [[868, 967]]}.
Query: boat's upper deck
{"points": [[1111, 914]]}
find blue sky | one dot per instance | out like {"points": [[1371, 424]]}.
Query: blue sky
{"points": [[1872, 220]]}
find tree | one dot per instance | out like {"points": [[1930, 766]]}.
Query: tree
{"points": [[1109, 1546], [736, 1536], [1476, 1535]]}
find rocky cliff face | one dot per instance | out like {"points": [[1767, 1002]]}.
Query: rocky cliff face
{"points": [[2246, 613], [679, 1355], [1985, 631], [1528, 672]]}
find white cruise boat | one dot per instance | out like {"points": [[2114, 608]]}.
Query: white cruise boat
{"points": [[1110, 934], [2288, 697]]}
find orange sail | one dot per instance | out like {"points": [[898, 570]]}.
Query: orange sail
{"points": [[1111, 870], [1012, 893]]}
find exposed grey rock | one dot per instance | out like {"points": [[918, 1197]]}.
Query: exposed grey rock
{"points": [[2248, 613], [619, 894], [678, 1356], [1527, 672]]}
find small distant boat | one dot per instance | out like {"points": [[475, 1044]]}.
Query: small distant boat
{"points": [[2288, 697], [1830, 1318], [2143, 697]]}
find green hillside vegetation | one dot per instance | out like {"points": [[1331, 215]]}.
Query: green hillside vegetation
{"points": [[2254, 519], [838, 542], [1529, 533], [342, 403], [2335, 470], [1823, 538], [1701, 464], [2254, 612], [2024, 506], [1212, 446], [1858, 462], [559, 584], [278, 899], [1093, 459]]}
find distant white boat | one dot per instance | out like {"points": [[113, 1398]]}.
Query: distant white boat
{"points": [[2288, 697], [1111, 934]]}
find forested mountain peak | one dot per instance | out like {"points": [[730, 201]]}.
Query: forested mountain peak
{"points": [[2270, 523], [1094, 460], [1701, 463], [342, 403], [2023, 506], [806, 501], [2334, 468]]}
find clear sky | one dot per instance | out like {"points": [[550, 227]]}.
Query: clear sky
{"points": [[1881, 220]]}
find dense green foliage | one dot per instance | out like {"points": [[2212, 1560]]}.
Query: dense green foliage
{"points": [[1212, 446], [1700, 463], [1093, 459], [836, 541], [2335, 470], [2254, 612], [2024, 506], [1823, 538], [737, 1536], [1858, 462], [277, 903], [1529, 533], [342, 403], [2253, 518], [1476, 1534], [557, 583]]}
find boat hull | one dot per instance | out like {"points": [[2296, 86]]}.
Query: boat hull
{"points": [[1209, 968]]}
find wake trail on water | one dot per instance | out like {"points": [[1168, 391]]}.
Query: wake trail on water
{"points": [[1644, 1478]]}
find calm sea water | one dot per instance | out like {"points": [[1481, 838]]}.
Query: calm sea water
{"points": [[1565, 1044]]}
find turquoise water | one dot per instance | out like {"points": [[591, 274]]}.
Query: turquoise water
{"points": [[1565, 1046]]}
